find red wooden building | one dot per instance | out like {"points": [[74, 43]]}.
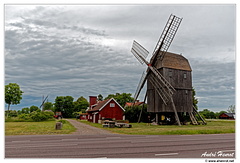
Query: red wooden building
{"points": [[107, 109], [227, 116]]}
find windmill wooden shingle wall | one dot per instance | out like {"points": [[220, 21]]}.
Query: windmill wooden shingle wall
{"points": [[177, 70]]}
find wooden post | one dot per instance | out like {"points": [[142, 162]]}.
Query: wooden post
{"points": [[157, 118], [175, 111]]}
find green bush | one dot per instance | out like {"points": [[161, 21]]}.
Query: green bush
{"points": [[34, 116], [63, 121], [37, 116], [41, 116], [24, 116], [49, 115]]}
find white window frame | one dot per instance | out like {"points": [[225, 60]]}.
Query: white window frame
{"points": [[112, 105]]}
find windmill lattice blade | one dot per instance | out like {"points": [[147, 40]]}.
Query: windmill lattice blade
{"points": [[167, 36], [140, 85], [139, 52], [43, 101], [159, 91], [162, 91], [162, 80]]}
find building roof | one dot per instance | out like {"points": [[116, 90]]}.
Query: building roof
{"points": [[174, 61], [230, 114], [100, 105], [131, 104]]}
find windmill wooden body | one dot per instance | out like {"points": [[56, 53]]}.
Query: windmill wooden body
{"points": [[169, 79]]}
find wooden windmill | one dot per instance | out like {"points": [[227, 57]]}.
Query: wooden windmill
{"points": [[168, 76]]}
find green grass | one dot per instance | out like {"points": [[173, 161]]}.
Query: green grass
{"points": [[212, 127], [37, 128]]}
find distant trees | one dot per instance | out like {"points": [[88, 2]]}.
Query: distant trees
{"points": [[132, 113], [195, 100], [121, 98], [208, 114], [34, 108], [231, 109], [100, 97], [65, 105], [13, 95], [81, 104], [48, 106]]}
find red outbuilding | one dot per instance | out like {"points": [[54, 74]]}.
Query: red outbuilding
{"points": [[107, 109], [227, 116]]}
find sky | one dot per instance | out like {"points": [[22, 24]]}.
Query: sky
{"points": [[84, 50]]}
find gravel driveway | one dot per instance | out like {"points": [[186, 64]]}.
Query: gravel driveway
{"points": [[84, 129]]}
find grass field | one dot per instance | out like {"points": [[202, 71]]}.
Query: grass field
{"points": [[36, 128], [212, 127]]}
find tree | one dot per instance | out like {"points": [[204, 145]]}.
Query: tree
{"points": [[59, 100], [132, 113], [208, 114], [25, 110], [195, 100], [121, 98], [34, 108], [231, 109], [65, 105], [81, 104], [68, 106], [13, 95], [100, 97], [48, 106]]}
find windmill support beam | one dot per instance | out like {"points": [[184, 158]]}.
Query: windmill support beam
{"points": [[175, 111], [139, 118]]}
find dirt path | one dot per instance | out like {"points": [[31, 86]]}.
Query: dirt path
{"points": [[84, 129]]}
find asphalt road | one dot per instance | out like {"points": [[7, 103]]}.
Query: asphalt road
{"points": [[120, 146]]}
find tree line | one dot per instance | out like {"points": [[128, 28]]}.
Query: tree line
{"points": [[71, 108]]}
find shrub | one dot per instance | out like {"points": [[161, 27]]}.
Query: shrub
{"points": [[24, 116], [37, 116], [63, 121], [49, 115], [41, 116]]}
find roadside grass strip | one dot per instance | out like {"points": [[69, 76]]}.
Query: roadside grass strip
{"points": [[37, 128], [212, 127]]}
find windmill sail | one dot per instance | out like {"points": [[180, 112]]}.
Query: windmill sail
{"points": [[160, 83], [139, 51], [166, 37], [43, 101]]}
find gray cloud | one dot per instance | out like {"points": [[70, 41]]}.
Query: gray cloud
{"points": [[85, 50]]}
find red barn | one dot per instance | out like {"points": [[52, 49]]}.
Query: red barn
{"points": [[227, 116], [107, 109]]}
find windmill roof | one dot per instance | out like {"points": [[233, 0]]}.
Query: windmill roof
{"points": [[174, 61]]}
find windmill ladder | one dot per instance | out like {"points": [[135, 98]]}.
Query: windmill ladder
{"points": [[194, 121], [195, 110]]}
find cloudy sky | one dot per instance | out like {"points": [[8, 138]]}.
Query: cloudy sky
{"points": [[83, 50]]}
